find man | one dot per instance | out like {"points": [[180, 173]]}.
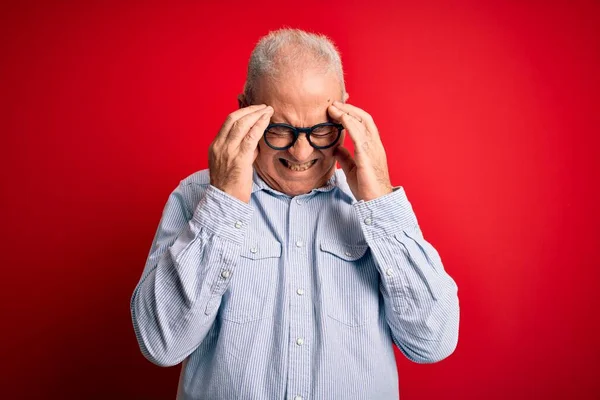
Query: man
{"points": [[275, 276]]}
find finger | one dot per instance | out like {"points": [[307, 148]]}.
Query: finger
{"points": [[345, 159], [251, 139], [234, 116], [362, 115], [356, 130], [242, 126]]}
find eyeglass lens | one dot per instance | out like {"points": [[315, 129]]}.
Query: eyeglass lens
{"points": [[281, 136]]}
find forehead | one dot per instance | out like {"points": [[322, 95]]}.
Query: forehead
{"points": [[301, 98]]}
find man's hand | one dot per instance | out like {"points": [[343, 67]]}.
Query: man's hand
{"points": [[232, 153], [367, 174]]}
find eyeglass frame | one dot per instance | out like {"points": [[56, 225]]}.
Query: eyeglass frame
{"points": [[307, 131]]}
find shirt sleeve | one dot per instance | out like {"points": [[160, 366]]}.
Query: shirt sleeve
{"points": [[420, 298], [189, 267]]}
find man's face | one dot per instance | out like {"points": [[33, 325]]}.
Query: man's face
{"points": [[300, 100]]}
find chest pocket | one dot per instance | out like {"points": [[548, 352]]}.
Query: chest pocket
{"points": [[252, 288], [351, 283]]}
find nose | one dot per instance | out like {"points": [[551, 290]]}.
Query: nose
{"points": [[301, 150]]}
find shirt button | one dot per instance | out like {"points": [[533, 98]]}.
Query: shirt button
{"points": [[348, 254], [299, 341], [238, 224], [298, 398], [368, 221], [225, 274], [253, 250], [300, 292], [298, 201], [299, 243], [389, 272]]}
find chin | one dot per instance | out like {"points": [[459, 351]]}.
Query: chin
{"points": [[300, 182], [294, 183]]}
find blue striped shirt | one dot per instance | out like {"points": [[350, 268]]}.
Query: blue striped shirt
{"points": [[295, 298]]}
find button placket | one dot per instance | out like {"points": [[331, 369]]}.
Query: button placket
{"points": [[300, 306]]}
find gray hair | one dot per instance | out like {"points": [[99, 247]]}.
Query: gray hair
{"points": [[291, 47]]}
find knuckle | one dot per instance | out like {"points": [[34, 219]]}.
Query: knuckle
{"points": [[230, 119], [249, 138], [213, 148], [240, 126], [229, 152], [246, 142], [226, 126]]}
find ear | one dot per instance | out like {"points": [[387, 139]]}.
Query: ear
{"points": [[346, 95], [242, 102]]}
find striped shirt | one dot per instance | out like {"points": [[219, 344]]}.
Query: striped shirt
{"points": [[291, 297]]}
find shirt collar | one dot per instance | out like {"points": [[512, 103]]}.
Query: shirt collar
{"points": [[259, 184]]}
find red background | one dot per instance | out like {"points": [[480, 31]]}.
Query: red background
{"points": [[489, 113]]}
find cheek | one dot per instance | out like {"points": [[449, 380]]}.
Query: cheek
{"points": [[263, 160], [267, 158], [328, 157]]}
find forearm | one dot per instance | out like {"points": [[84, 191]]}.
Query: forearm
{"points": [[175, 303], [420, 298]]}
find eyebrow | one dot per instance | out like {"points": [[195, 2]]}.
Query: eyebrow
{"points": [[285, 121]]}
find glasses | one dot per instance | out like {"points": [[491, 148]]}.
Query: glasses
{"points": [[320, 136]]}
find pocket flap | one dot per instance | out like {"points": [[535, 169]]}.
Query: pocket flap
{"points": [[259, 249], [348, 252]]}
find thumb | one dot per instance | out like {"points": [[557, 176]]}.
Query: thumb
{"points": [[342, 154]]}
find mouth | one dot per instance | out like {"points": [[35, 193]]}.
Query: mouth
{"points": [[297, 167]]}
